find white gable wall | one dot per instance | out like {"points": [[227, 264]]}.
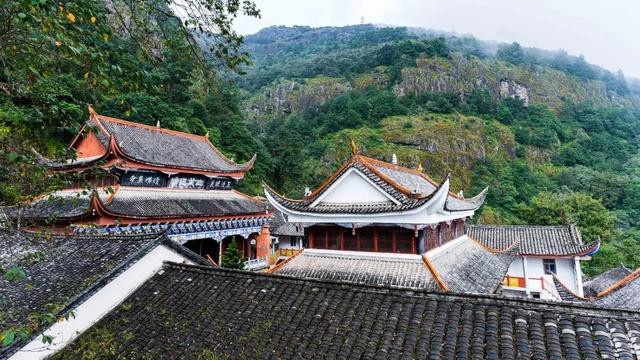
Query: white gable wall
{"points": [[353, 187], [565, 269], [99, 304]]}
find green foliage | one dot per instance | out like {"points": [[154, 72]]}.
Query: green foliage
{"points": [[593, 219], [15, 274], [511, 53], [232, 258], [611, 255]]}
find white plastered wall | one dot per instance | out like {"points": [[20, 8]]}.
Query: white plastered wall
{"points": [[99, 304]]}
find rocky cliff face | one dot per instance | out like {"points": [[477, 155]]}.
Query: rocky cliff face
{"points": [[533, 84], [289, 96], [440, 143]]}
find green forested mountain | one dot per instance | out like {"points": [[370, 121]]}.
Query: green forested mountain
{"points": [[554, 137]]}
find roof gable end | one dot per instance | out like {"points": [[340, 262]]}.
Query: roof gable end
{"points": [[353, 187]]}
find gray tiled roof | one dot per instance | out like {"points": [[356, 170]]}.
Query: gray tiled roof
{"points": [[280, 226], [403, 178], [564, 292], [189, 311], [164, 148], [409, 180], [625, 295], [170, 203], [62, 269], [464, 265], [58, 206], [532, 240], [361, 268], [595, 284], [143, 203]]}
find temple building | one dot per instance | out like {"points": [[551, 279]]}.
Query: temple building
{"points": [[370, 205], [376, 206], [154, 179]]}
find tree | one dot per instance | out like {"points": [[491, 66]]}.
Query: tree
{"points": [[594, 220], [232, 258], [511, 53]]}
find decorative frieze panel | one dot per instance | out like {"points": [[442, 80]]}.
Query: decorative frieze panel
{"points": [[183, 232], [220, 183], [142, 178], [178, 181]]}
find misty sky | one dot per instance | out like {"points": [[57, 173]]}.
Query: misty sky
{"points": [[606, 32]]}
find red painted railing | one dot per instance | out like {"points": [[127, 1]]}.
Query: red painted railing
{"points": [[517, 281]]}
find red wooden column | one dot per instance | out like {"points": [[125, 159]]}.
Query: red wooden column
{"points": [[358, 240], [413, 244], [341, 239], [394, 246], [263, 242], [375, 240], [326, 238], [312, 238]]}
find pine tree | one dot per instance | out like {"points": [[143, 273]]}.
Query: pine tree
{"points": [[232, 258]]}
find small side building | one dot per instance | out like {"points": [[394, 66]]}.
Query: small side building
{"points": [[544, 253]]}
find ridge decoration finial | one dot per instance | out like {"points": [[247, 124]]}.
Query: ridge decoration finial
{"points": [[419, 168], [92, 112], [354, 148]]}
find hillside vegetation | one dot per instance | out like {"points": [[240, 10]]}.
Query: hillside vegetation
{"points": [[555, 138]]}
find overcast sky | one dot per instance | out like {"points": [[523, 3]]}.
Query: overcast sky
{"points": [[606, 32]]}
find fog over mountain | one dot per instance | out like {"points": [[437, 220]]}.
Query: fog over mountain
{"points": [[603, 31]]}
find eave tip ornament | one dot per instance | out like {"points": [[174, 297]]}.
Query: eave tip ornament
{"points": [[354, 148]]}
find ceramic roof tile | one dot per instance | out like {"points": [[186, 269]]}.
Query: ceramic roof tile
{"points": [[466, 266], [59, 205], [398, 182], [164, 147], [136, 202], [463, 264], [170, 203], [597, 283], [60, 269], [532, 240], [625, 295], [361, 268], [189, 311]]}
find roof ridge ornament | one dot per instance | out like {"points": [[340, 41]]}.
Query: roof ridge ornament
{"points": [[394, 159], [158, 124], [419, 168], [92, 112], [354, 148]]}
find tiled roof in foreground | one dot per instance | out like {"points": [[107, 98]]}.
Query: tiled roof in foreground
{"points": [[602, 281], [460, 266], [396, 270], [191, 311], [61, 269], [623, 293], [532, 239]]}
